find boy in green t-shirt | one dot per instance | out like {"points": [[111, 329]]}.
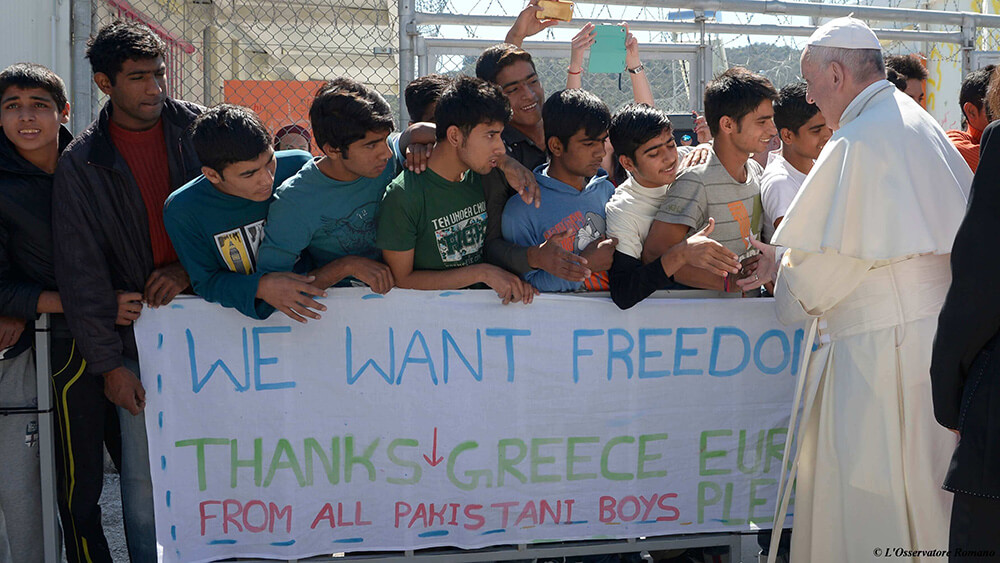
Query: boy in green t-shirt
{"points": [[431, 226]]}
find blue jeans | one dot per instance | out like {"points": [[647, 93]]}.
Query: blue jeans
{"points": [[137, 486]]}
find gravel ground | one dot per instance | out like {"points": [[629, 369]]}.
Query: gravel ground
{"points": [[111, 517]]}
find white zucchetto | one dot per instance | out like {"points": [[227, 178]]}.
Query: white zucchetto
{"points": [[844, 33]]}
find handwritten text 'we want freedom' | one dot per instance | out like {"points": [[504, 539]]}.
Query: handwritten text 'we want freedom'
{"points": [[587, 355]]}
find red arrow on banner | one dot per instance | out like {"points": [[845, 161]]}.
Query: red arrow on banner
{"points": [[434, 460]]}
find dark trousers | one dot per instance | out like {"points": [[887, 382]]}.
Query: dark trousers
{"points": [[85, 422], [975, 529]]}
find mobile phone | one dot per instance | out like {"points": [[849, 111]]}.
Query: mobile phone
{"points": [[561, 10], [683, 125], [607, 54], [744, 260]]}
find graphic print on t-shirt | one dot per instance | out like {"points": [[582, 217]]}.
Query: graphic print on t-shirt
{"points": [[238, 247], [739, 212], [588, 227], [355, 232], [460, 235], [745, 221], [593, 229]]}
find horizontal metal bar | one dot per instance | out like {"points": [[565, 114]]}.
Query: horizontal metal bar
{"points": [[542, 550], [475, 46], [9, 411], [823, 10], [806, 31], [423, 18]]}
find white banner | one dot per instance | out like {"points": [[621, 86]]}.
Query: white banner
{"points": [[424, 419]]}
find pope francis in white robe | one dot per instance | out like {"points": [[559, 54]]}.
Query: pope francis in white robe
{"points": [[868, 239]]}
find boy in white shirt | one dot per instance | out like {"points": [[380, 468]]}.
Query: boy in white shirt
{"points": [[643, 139], [803, 133]]}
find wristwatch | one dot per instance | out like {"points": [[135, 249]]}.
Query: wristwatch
{"points": [[637, 69]]}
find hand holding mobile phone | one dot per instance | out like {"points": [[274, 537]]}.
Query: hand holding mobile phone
{"points": [[746, 260], [561, 10], [607, 54]]}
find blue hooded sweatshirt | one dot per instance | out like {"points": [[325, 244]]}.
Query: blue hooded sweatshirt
{"points": [[563, 208]]}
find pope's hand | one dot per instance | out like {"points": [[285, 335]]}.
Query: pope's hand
{"points": [[766, 270]]}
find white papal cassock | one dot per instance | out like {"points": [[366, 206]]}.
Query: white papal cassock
{"points": [[869, 237]]}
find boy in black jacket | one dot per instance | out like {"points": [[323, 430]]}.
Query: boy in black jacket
{"points": [[33, 109], [107, 212]]}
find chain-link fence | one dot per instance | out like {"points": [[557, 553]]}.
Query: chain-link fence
{"points": [[669, 72], [774, 56], [270, 55], [768, 42], [771, 53]]}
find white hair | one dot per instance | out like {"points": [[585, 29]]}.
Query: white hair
{"points": [[863, 64]]}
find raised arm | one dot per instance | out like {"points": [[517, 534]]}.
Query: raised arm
{"points": [[580, 45], [527, 24], [584, 39], [641, 91]]}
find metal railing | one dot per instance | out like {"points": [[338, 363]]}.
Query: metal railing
{"points": [[46, 439]]}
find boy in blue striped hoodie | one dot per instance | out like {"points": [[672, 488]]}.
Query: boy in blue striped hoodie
{"points": [[574, 188]]}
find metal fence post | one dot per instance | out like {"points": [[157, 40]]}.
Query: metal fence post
{"points": [[969, 32], [423, 62], [704, 64], [407, 33], [46, 440], [208, 53], [83, 94]]}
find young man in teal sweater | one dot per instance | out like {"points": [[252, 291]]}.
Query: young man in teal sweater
{"points": [[216, 221], [327, 210]]}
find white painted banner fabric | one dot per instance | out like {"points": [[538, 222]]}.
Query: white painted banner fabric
{"points": [[422, 419]]}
